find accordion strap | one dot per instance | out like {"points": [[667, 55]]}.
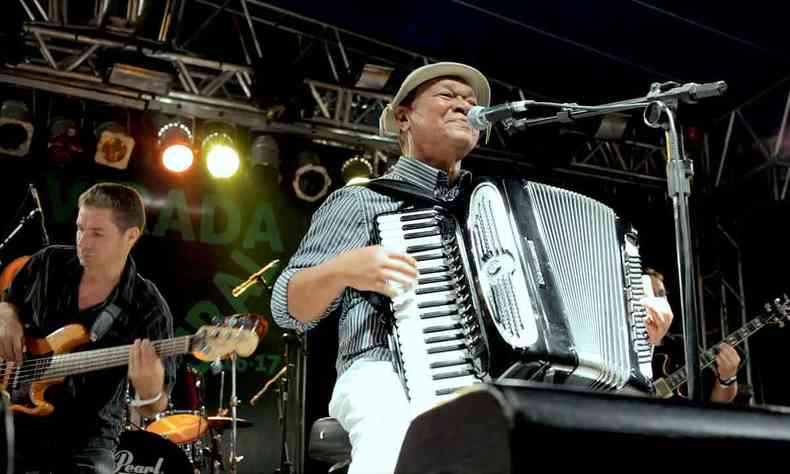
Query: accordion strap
{"points": [[403, 190]]}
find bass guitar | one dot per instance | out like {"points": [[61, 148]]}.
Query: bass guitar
{"points": [[49, 360]]}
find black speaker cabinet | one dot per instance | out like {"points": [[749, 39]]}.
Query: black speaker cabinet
{"points": [[518, 426]]}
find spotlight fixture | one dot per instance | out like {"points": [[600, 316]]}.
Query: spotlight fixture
{"points": [[16, 129], [64, 141], [311, 180], [356, 170], [265, 152], [175, 146], [218, 147], [612, 127], [374, 77], [115, 145]]}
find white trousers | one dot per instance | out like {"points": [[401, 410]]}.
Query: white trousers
{"points": [[369, 402]]}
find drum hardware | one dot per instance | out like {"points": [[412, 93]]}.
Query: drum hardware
{"points": [[234, 401], [221, 422], [184, 425], [225, 422], [181, 433]]}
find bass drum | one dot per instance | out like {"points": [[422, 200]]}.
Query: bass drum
{"points": [[141, 451]]}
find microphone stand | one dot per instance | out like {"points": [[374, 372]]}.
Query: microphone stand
{"points": [[27, 218], [22, 222], [286, 465], [282, 380], [660, 111]]}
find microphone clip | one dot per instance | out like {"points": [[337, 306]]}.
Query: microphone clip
{"points": [[257, 277]]}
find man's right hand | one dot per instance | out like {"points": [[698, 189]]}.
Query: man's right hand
{"points": [[12, 341], [370, 269]]}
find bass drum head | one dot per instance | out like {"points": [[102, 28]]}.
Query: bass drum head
{"points": [[141, 451]]}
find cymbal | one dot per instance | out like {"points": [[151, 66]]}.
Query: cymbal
{"points": [[226, 422]]}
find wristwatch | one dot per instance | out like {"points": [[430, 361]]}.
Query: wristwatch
{"points": [[727, 383]]}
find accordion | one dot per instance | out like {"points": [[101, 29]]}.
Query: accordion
{"points": [[525, 276]]}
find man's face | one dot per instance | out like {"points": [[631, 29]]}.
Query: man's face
{"points": [[100, 244], [437, 116]]}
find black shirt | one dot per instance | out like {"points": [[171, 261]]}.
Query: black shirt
{"points": [[90, 407]]}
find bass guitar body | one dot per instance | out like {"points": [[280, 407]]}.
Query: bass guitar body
{"points": [[28, 396]]}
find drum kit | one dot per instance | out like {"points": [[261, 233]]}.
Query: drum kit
{"points": [[182, 439]]}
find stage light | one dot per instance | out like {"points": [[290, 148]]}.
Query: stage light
{"points": [[311, 180], [177, 158], [64, 141], [265, 152], [222, 161], [16, 129], [612, 127], [374, 77], [135, 77], [218, 147], [356, 170], [115, 145], [175, 145]]}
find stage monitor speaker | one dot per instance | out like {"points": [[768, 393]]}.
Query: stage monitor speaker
{"points": [[517, 426]]}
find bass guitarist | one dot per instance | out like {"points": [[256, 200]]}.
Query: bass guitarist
{"points": [[96, 285]]}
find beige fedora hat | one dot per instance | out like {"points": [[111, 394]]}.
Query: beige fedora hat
{"points": [[388, 124]]}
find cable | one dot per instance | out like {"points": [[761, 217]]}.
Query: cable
{"points": [[709, 29], [565, 40], [5, 404]]}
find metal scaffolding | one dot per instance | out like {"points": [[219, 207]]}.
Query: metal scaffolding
{"points": [[63, 61], [723, 293], [765, 146]]}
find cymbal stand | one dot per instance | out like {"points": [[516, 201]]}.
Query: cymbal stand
{"points": [[133, 420], [234, 401], [217, 463], [218, 363]]}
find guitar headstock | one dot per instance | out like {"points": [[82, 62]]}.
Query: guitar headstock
{"points": [[778, 311], [248, 321], [239, 333]]}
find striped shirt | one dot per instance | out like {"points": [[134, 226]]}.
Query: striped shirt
{"points": [[345, 221]]}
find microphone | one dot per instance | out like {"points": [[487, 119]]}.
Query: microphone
{"points": [[482, 117], [256, 278], [690, 92], [709, 89], [34, 193]]}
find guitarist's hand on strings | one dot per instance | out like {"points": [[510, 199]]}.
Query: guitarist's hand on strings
{"points": [[146, 371], [727, 361], [12, 340]]}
